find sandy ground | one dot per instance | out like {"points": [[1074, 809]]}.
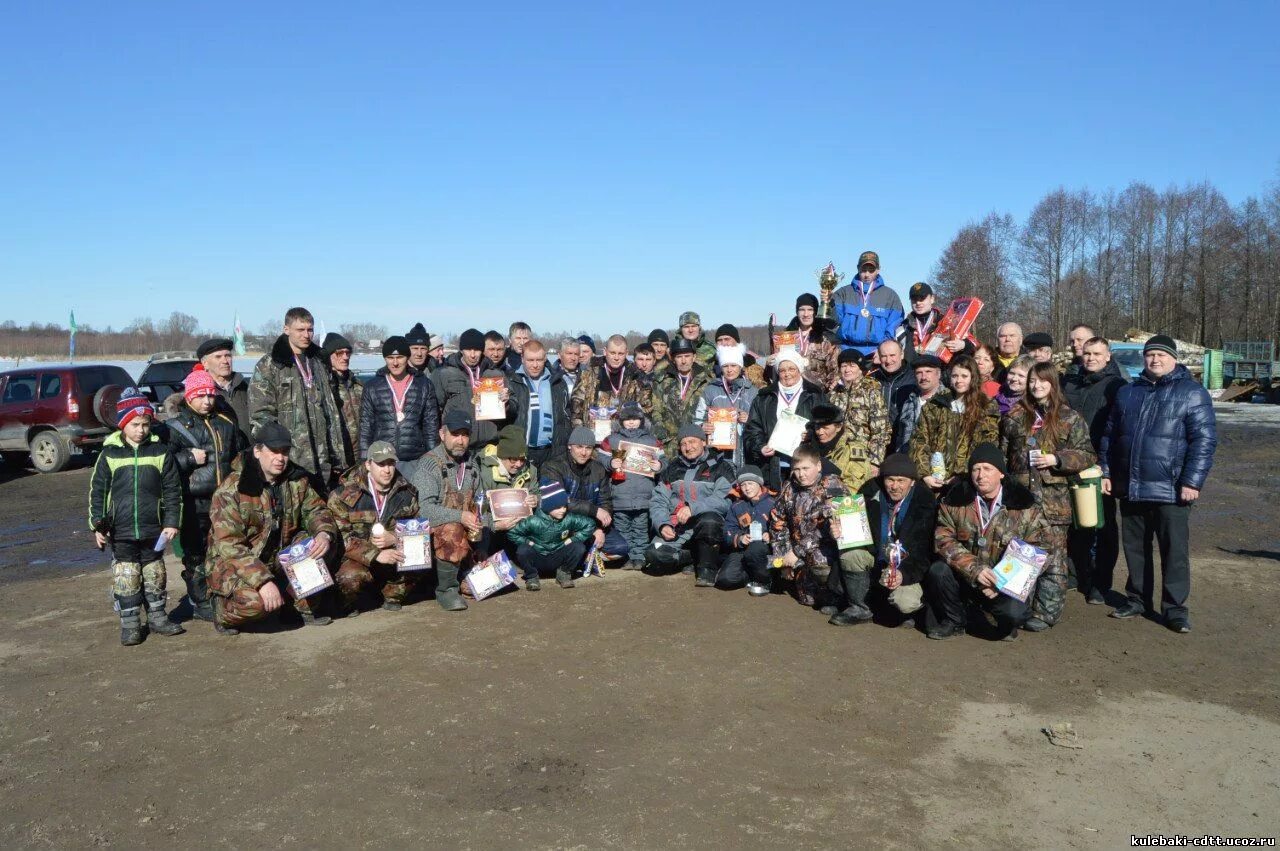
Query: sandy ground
{"points": [[636, 712]]}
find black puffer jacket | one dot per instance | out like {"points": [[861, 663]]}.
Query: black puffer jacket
{"points": [[219, 436], [914, 529], [417, 433], [453, 390], [761, 421], [1091, 395], [588, 485], [135, 491]]}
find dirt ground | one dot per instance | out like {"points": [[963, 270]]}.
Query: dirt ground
{"points": [[636, 712]]}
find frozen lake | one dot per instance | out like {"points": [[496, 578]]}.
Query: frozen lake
{"points": [[244, 365]]}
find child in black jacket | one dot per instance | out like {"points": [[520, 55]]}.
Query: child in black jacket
{"points": [[135, 504]]}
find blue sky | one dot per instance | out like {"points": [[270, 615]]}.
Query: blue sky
{"points": [[599, 166]]}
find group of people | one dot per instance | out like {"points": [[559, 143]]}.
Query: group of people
{"points": [[685, 453]]}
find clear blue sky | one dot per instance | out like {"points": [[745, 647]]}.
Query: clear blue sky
{"points": [[600, 165]]}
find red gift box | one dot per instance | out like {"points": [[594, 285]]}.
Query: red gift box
{"points": [[954, 325]]}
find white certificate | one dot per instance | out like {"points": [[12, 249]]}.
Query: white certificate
{"points": [[415, 553], [489, 406], [788, 433], [602, 428], [309, 576], [855, 531]]}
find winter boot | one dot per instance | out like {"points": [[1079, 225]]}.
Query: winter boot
{"points": [[157, 621], [706, 577], [856, 585], [447, 588], [312, 619], [198, 595], [218, 625], [130, 608], [564, 578]]}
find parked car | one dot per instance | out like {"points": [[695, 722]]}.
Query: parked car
{"points": [[163, 374], [54, 413], [1128, 356]]}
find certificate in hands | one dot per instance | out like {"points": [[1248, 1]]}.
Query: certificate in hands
{"points": [[307, 575], [851, 513], [1017, 572], [508, 503], [487, 398], [413, 540], [640, 459], [788, 433], [724, 428]]}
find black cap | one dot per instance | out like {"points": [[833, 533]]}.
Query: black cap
{"points": [[471, 339], [919, 290], [927, 360], [851, 356], [1161, 343], [727, 330], [657, 335], [586, 340], [806, 299], [630, 411], [396, 345], [456, 419], [824, 413], [899, 464], [333, 342], [417, 336], [682, 346], [273, 435], [988, 453], [1037, 340], [217, 344]]}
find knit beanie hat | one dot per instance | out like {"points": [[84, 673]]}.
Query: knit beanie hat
{"points": [[586, 340], [471, 339], [417, 335], [132, 404], [851, 356], [727, 330], [751, 473], [582, 436], [630, 411], [395, 346], [899, 464], [512, 443], [808, 299], [731, 355], [1161, 343], [791, 355], [553, 496], [198, 383], [657, 335], [691, 431], [988, 453], [334, 342]]}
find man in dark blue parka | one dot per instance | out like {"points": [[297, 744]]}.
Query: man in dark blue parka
{"points": [[1156, 453]]}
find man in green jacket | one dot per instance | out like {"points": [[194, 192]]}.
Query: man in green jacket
{"points": [[552, 540]]}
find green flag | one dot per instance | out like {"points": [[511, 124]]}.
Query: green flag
{"points": [[239, 337], [72, 344]]}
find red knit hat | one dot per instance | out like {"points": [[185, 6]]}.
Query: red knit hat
{"points": [[198, 383]]}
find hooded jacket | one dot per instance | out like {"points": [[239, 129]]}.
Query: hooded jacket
{"points": [[494, 477], [1051, 486], [249, 529], [1091, 394], [417, 433], [354, 512], [761, 422], [860, 332], [634, 491], [941, 429], [866, 417], [742, 513], [702, 484], [670, 411], [1160, 437], [453, 392], [279, 391], [135, 491]]}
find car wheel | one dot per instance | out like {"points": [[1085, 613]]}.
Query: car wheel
{"points": [[49, 452], [104, 403]]}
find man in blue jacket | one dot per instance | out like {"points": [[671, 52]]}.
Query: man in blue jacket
{"points": [[1156, 453], [867, 311]]}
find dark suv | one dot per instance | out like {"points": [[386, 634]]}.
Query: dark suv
{"points": [[163, 374], [57, 412]]}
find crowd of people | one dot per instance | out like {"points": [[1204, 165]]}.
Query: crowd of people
{"points": [[683, 454]]}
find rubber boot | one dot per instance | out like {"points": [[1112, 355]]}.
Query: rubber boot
{"points": [[564, 578], [130, 609], [447, 588], [198, 595], [157, 621], [309, 619], [856, 585], [705, 578]]}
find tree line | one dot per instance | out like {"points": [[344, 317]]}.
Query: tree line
{"points": [[1184, 262]]}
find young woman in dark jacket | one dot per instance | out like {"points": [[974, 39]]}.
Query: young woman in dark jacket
{"points": [[789, 392], [400, 407]]}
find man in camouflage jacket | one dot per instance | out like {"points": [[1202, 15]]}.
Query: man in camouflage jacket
{"points": [[370, 558], [608, 385], [290, 386], [866, 416], [265, 505], [968, 549], [676, 393], [348, 393]]}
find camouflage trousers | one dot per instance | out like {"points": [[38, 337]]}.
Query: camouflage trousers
{"points": [[352, 576], [1051, 588], [136, 566], [817, 582], [244, 605]]}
